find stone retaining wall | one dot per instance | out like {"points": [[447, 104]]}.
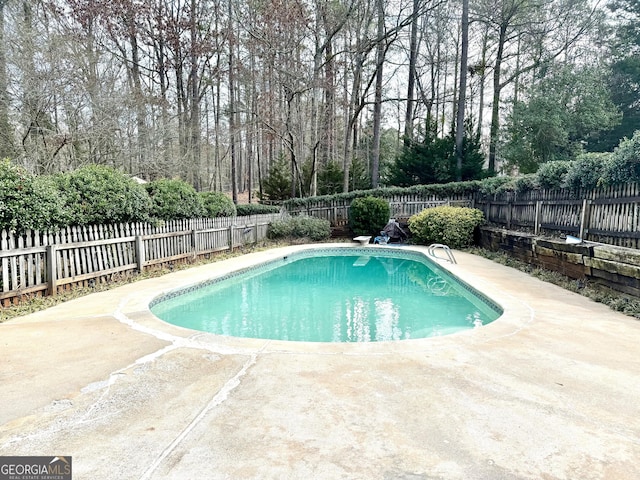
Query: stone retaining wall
{"points": [[615, 267]]}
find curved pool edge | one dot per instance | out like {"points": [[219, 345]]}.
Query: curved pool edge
{"points": [[134, 309]]}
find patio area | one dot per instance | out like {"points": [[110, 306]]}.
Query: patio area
{"points": [[549, 391]]}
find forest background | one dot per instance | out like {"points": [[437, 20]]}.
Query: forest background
{"points": [[327, 95]]}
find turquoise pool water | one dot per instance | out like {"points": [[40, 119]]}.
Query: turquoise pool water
{"points": [[332, 295]]}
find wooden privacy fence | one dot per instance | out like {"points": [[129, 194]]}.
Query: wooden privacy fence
{"points": [[610, 215], [606, 215], [44, 262], [336, 211]]}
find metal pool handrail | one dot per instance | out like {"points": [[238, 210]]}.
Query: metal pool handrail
{"points": [[432, 251]]}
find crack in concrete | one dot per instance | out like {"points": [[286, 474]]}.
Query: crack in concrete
{"points": [[217, 400]]}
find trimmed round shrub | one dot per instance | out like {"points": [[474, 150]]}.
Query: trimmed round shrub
{"points": [[368, 215], [586, 171], [174, 199], [28, 202], [217, 204], [246, 209], [99, 194], [452, 226], [316, 229]]}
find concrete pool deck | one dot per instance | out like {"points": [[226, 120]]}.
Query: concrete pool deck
{"points": [[551, 390]]}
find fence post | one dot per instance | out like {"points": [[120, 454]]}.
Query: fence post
{"points": [[140, 253], [52, 278], [194, 242], [584, 218], [536, 225], [509, 213], [230, 242]]}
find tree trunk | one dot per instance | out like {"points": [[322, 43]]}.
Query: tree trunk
{"points": [[6, 137], [377, 106], [495, 110], [138, 99], [194, 93], [482, 72], [232, 109], [462, 90], [413, 54]]}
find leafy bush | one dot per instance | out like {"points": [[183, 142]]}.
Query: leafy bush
{"points": [[247, 209], [586, 171], [452, 226], [315, 229], [551, 175], [624, 165], [98, 194], [368, 215], [217, 204], [28, 202], [174, 199]]}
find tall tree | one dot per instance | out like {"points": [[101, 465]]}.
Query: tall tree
{"points": [[462, 90], [377, 102], [624, 78], [546, 29], [564, 111], [411, 75], [6, 134]]}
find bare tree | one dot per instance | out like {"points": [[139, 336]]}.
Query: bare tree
{"points": [[6, 134], [462, 90]]}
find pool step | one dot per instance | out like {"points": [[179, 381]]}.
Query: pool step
{"points": [[361, 261]]}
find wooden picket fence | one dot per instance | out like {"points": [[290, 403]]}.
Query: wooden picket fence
{"points": [[43, 263]]}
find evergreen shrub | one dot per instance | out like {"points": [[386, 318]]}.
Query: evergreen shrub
{"points": [[29, 202], [217, 204], [246, 209], [96, 194], [452, 226], [316, 229], [624, 165], [368, 215], [551, 175], [587, 170], [277, 184], [174, 199]]}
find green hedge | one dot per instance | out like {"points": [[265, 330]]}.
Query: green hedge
{"points": [[587, 171], [624, 165], [174, 199], [315, 229], [217, 204], [444, 190], [96, 194], [247, 209], [29, 202], [452, 226]]}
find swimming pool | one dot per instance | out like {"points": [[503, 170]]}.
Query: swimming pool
{"points": [[337, 294]]}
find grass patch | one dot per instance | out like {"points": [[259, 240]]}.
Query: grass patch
{"points": [[620, 302]]}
